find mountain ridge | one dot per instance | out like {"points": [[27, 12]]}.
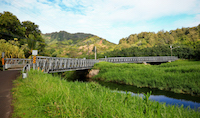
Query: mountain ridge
{"points": [[76, 45], [80, 45]]}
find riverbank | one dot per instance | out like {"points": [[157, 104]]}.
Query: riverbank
{"points": [[181, 76], [42, 95]]}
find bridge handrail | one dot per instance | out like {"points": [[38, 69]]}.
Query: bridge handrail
{"points": [[52, 64], [11, 60], [16, 62], [140, 59], [58, 64]]}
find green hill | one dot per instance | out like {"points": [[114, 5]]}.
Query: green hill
{"points": [[80, 45], [64, 44], [184, 36]]}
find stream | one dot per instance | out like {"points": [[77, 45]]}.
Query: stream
{"points": [[170, 98]]}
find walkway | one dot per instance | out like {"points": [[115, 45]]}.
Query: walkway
{"points": [[6, 78]]}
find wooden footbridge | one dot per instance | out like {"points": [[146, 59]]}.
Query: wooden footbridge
{"points": [[56, 64]]}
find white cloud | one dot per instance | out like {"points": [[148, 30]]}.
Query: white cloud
{"points": [[109, 19]]}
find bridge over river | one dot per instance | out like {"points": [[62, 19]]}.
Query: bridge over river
{"points": [[57, 64]]}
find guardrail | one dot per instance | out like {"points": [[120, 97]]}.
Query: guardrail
{"points": [[16, 63], [54, 64], [139, 59]]}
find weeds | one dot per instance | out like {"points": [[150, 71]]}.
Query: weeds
{"points": [[42, 95], [180, 76]]}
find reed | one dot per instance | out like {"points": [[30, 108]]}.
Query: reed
{"points": [[181, 76], [42, 95]]}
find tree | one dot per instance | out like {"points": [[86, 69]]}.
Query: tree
{"points": [[10, 26], [160, 34], [180, 32], [198, 28], [11, 49], [151, 41], [34, 38], [193, 35], [169, 39], [132, 39], [123, 40]]}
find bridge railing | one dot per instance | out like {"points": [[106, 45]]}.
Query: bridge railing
{"points": [[55, 64], [139, 59], [16, 63]]}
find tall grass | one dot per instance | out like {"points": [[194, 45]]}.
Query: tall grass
{"points": [[179, 76], [42, 95]]}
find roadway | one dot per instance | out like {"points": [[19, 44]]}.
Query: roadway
{"points": [[6, 79]]}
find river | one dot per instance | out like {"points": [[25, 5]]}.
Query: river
{"points": [[170, 98]]}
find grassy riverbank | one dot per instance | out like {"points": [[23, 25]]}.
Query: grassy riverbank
{"points": [[42, 95], [181, 76]]}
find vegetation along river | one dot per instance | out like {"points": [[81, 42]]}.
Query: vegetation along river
{"points": [[170, 98]]}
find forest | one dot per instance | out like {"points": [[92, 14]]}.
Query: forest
{"points": [[185, 43], [23, 36]]}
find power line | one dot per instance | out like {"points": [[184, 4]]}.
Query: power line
{"points": [[28, 11], [13, 35]]}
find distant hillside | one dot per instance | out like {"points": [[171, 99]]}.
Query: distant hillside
{"points": [[81, 45], [65, 36], [64, 44], [184, 42], [184, 36]]}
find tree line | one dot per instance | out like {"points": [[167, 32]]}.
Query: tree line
{"points": [[26, 35], [186, 36], [187, 41], [183, 52]]}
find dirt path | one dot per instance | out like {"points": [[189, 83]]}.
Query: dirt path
{"points": [[6, 78]]}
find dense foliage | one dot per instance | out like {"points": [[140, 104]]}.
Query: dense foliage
{"points": [[162, 50], [181, 76], [158, 44], [42, 95], [187, 36], [64, 36], [11, 49], [26, 32]]}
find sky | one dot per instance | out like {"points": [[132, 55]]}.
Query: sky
{"points": [[108, 19]]}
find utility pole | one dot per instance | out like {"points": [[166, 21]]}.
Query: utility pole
{"points": [[95, 52], [88, 50], [173, 48]]}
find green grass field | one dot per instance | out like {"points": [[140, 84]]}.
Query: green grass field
{"points": [[181, 76], [42, 95]]}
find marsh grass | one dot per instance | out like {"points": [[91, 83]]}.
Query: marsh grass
{"points": [[42, 95], [181, 76]]}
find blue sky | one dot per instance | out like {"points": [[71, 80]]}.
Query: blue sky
{"points": [[108, 19]]}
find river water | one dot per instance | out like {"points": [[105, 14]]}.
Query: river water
{"points": [[170, 98]]}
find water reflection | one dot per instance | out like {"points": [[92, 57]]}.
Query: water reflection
{"points": [[168, 97]]}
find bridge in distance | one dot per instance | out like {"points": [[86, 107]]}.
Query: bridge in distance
{"points": [[56, 64]]}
